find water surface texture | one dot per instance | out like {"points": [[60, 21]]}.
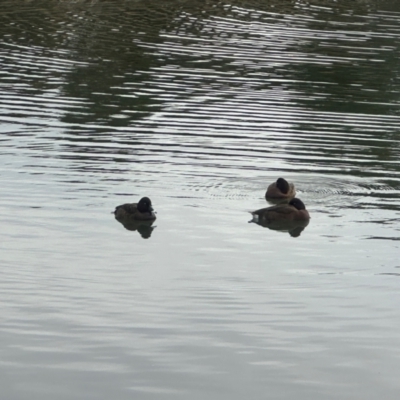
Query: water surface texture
{"points": [[200, 106]]}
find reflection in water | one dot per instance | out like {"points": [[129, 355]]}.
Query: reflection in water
{"points": [[144, 228], [203, 104], [293, 227]]}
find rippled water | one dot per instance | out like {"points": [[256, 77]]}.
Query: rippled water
{"points": [[199, 106]]}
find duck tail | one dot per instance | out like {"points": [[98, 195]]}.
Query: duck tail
{"points": [[255, 217]]}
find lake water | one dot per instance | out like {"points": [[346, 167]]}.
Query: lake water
{"points": [[200, 106]]}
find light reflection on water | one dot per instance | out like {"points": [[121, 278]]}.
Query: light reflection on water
{"points": [[199, 111]]}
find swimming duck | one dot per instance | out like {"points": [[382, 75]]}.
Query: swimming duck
{"points": [[295, 210], [281, 189], [142, 211]]}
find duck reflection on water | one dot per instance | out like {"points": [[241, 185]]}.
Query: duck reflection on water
{"points": [[294, 228], [145, 228]]}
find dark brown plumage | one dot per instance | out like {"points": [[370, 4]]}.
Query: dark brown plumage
{"points": [[281, 189], [295, 210], [142, 211]]}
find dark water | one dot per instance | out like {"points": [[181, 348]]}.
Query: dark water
{"points": [[199, 105]]}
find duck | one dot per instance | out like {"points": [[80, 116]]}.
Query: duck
{"points": [[281, 189], [295, 210], [142, 211]]}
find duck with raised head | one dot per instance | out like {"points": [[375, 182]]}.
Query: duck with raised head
{"points": [[295, 210], [281, 189], [142, 211]]}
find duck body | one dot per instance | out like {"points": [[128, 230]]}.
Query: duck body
{"points": [[142, 211], [281, 189], [295, 210]]}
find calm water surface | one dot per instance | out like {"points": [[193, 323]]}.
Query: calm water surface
{"points": [[199, 106]]}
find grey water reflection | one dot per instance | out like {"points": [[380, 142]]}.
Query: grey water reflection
{"points": [[144, 228], [294, 228], [199, 105]]}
